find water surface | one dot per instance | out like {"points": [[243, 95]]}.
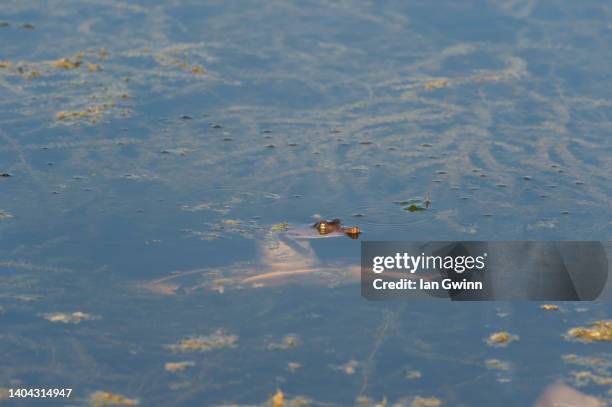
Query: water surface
{"points": [[189, 129]]}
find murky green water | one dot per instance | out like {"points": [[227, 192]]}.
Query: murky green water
{"points": [[177, 133]]}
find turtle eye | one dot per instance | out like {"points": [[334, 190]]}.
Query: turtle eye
{"points": [[323, 229]]}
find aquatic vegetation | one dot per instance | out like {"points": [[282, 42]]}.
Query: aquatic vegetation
{"points": [[280, 227], [436, 84], [549, 307], [412, 374], [584, 378], [34, 267], [414, 208], [585, 361], [218, 340], [201, 206], [496, 364], [174, 57], [70, 318], [599, 331], [92, 112], [65, 63], [28, 298], [176, 151], [207, 236], [219, 284], [161, 288], [416, 204], [278, 399], [103, 399], [293, 366], [178, 366], [365, 400], [349, 367], [501, 339], [245, 229], [383, 402], [419, 401], [288, 342], [91, 67]]}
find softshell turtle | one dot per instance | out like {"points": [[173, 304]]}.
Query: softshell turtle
{"points": [[290, 255], [326, 228], [284, 257]]}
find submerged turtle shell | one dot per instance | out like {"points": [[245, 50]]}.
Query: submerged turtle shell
{"points": [[288, 257], [283, 258]]}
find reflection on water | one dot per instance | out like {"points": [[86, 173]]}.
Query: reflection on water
{"points": [[161, 142]]}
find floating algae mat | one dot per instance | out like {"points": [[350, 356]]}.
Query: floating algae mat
{"points": [[178, 366], [599, 331], [217, 340], [163, 166], [104, 399], [69, 318], [501, 339]]}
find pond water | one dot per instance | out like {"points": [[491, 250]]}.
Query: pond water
{"points": [[140, 140]]}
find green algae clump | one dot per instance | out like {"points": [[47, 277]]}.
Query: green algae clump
{"points": [[414, 208]]}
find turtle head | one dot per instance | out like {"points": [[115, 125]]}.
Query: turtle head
{"points": [[324, 227]]}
